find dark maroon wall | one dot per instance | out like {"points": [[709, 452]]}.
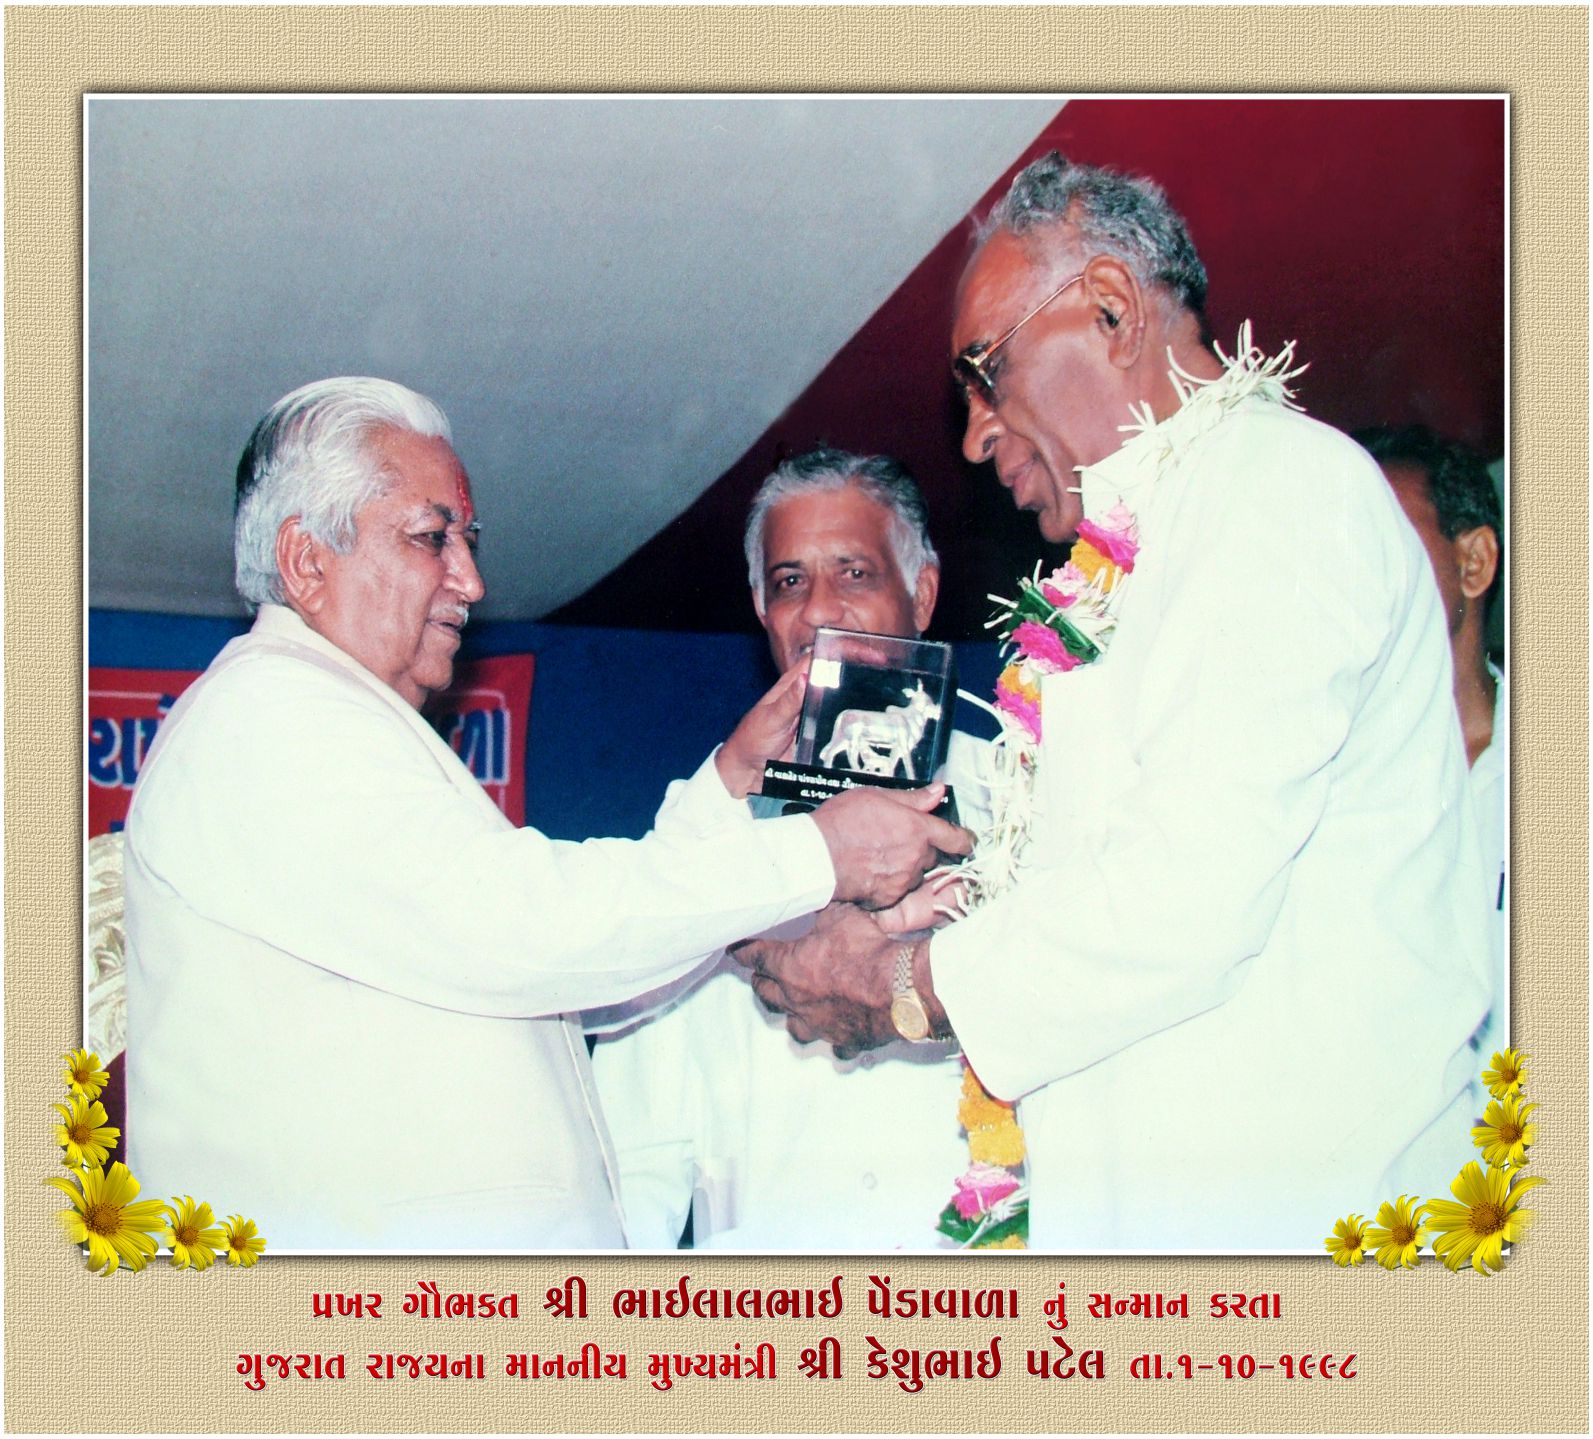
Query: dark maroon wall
{"points": [[1370, 231]]}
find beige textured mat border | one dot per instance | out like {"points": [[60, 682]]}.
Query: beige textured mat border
{"points": [[157, 1351]]}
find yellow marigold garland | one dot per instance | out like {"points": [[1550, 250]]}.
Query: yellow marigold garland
{"points": [[992, 1126], [1055, 625]]}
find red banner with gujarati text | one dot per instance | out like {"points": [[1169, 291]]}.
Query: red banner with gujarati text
{"points": [[484, 716]]}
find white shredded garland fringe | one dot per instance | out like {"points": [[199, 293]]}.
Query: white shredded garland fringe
{"points": [[1001, 847]]}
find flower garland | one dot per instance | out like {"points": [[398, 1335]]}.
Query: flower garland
{"points": [[1055, 625]]}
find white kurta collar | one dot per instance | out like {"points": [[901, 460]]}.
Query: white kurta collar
{"points": [[1491, 762], [278, 622], [1120, 477], [1154, 445]]}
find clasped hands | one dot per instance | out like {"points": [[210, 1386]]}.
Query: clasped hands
{"points": [[836, 983]]}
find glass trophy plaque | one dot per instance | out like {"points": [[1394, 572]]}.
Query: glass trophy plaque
{"points": [[877, 712]]}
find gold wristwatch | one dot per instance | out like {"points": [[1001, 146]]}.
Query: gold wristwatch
{"points": [[908, 1014]]}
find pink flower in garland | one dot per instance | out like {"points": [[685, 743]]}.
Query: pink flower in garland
{"points": [[1064, 584], [1020, 707], [981, 1188], [1116, 536], [1043, 645]]}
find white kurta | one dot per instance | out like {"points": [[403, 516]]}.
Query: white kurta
{"points": [[783, 1146], [347, 970], [1242, 970]]}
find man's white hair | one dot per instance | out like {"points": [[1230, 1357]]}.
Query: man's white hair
{"points": [[1108, 213], [882, 479], [309, 457]]}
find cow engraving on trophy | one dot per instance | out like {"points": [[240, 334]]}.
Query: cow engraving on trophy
{"points": [[877, 711], [879, 741]]}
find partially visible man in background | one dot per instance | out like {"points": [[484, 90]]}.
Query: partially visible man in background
{"points": [[715, 1110], [1449, 497], [347, 971]]}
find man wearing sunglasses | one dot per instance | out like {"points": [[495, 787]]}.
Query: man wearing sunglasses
{"points": [[1232, 984]]}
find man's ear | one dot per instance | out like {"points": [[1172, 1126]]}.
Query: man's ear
{"points": [[1477, 554], [301, 563], [925, 593], [1114, 293]]}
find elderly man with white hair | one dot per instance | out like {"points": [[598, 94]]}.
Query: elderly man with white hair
{"points": [[1234, 978], [347, 972]]}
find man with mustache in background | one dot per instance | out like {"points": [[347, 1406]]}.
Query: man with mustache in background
{"points": [[766, 1143]]}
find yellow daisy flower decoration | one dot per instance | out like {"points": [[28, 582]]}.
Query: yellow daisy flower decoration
{"points": [[83, 1133], [1485, 1219], [1506, 1074], [1504, 1136], [243, 1242], [108, 1216], [1347, 1242], [1398, 1234], [193, 1234], [83, 1075]]}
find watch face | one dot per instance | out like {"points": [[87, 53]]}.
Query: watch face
{"points": [[909, 1017]]}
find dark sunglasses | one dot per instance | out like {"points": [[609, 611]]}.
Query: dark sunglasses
{"points": [[972, 367]]}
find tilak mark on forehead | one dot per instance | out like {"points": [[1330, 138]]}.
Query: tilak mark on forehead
{"points": [[467, 505]]}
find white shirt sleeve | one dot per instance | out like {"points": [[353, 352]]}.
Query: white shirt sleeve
{"points": [[700, 805], [336, 844], [695, 1085]]}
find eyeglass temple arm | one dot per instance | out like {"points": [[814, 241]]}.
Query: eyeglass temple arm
{"points": [[1032, 313]]}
